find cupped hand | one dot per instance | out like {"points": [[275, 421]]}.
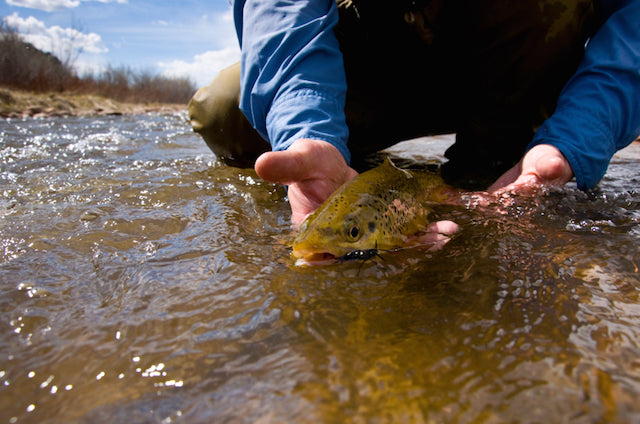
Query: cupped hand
{"points": [[542, 165], [312, 169]]}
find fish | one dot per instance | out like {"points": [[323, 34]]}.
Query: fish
{"points": [[379, 210]]}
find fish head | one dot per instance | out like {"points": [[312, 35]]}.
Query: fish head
{"points": [[342, 225]]}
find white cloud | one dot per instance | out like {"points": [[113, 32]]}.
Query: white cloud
{"points": [[222, 51], [204, 67], [65, 43], [47, 5], [51, 5]]}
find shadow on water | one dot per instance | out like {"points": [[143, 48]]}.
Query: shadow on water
{"points": [[141, 281]]}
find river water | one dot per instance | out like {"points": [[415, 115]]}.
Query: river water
{"points": [[142, 281]]}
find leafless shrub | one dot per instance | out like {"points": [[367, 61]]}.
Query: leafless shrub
{"points": [[125, 84], [25, 67]]}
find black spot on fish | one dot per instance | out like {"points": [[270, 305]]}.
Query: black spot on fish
{"points": [[372, 226]]}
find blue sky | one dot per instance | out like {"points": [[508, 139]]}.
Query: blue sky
{"points": [[193, 38]]}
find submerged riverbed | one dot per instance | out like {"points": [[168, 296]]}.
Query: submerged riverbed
{"points": [[142, 281]]}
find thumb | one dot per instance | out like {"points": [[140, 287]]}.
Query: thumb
{"points": [[280, 166], [553, 169]]}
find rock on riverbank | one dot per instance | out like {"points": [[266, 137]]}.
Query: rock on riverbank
{"points": [[19, 104]]}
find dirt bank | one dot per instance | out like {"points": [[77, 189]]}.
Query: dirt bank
{"points": [[18, 104]]}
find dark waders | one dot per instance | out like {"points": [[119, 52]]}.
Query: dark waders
{"points": [[488, 70]]}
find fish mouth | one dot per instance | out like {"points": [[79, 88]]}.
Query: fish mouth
{"points": [[314, 258]]}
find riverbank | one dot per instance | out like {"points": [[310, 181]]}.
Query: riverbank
{"points": [[20, 104]]}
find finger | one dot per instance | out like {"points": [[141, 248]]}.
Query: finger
{"points": [[443, 227], [439, 244], [281, 167], [554, 169], [506, 179], [437, 234], [432, 241], [522, 185]]}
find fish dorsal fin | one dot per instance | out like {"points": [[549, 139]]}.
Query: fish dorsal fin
{"points": [[389, 163]]}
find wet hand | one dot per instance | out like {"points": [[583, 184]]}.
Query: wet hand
{"points": [[542, 165], [438, 234], [312, 169]]}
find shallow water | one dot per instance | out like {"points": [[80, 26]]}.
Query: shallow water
{"points": [[142, 281]]}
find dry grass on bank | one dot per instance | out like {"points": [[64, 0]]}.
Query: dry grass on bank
{"points": [[25, 68], [19, 104]]}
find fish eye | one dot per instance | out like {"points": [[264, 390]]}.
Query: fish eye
{"points": [[353, 232]]}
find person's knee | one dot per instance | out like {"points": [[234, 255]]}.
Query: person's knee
{"points": [[213, 103], [214, 114]]}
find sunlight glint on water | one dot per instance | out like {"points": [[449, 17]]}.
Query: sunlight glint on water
{"points": [[142, 281]]}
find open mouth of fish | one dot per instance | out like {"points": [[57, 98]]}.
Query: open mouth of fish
{"points": [[316, 258], [326, 257]]}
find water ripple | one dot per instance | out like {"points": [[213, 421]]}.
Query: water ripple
{"points": [[141, 280]]}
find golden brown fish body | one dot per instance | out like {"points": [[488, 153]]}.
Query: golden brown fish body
{"points": [[379, 209]]}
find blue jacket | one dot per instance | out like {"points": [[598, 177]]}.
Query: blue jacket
{"points": [[293, 82]]}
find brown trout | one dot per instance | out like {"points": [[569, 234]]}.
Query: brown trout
{"points": [[378, 210]]}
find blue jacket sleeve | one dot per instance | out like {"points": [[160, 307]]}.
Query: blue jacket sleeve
{"points": [[293, 83], [598, 111]]}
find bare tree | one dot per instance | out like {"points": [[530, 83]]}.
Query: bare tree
{"points": [[70, 50]]}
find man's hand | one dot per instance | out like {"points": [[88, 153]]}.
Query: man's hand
{"points": [[312, 169], [542, 165]]}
